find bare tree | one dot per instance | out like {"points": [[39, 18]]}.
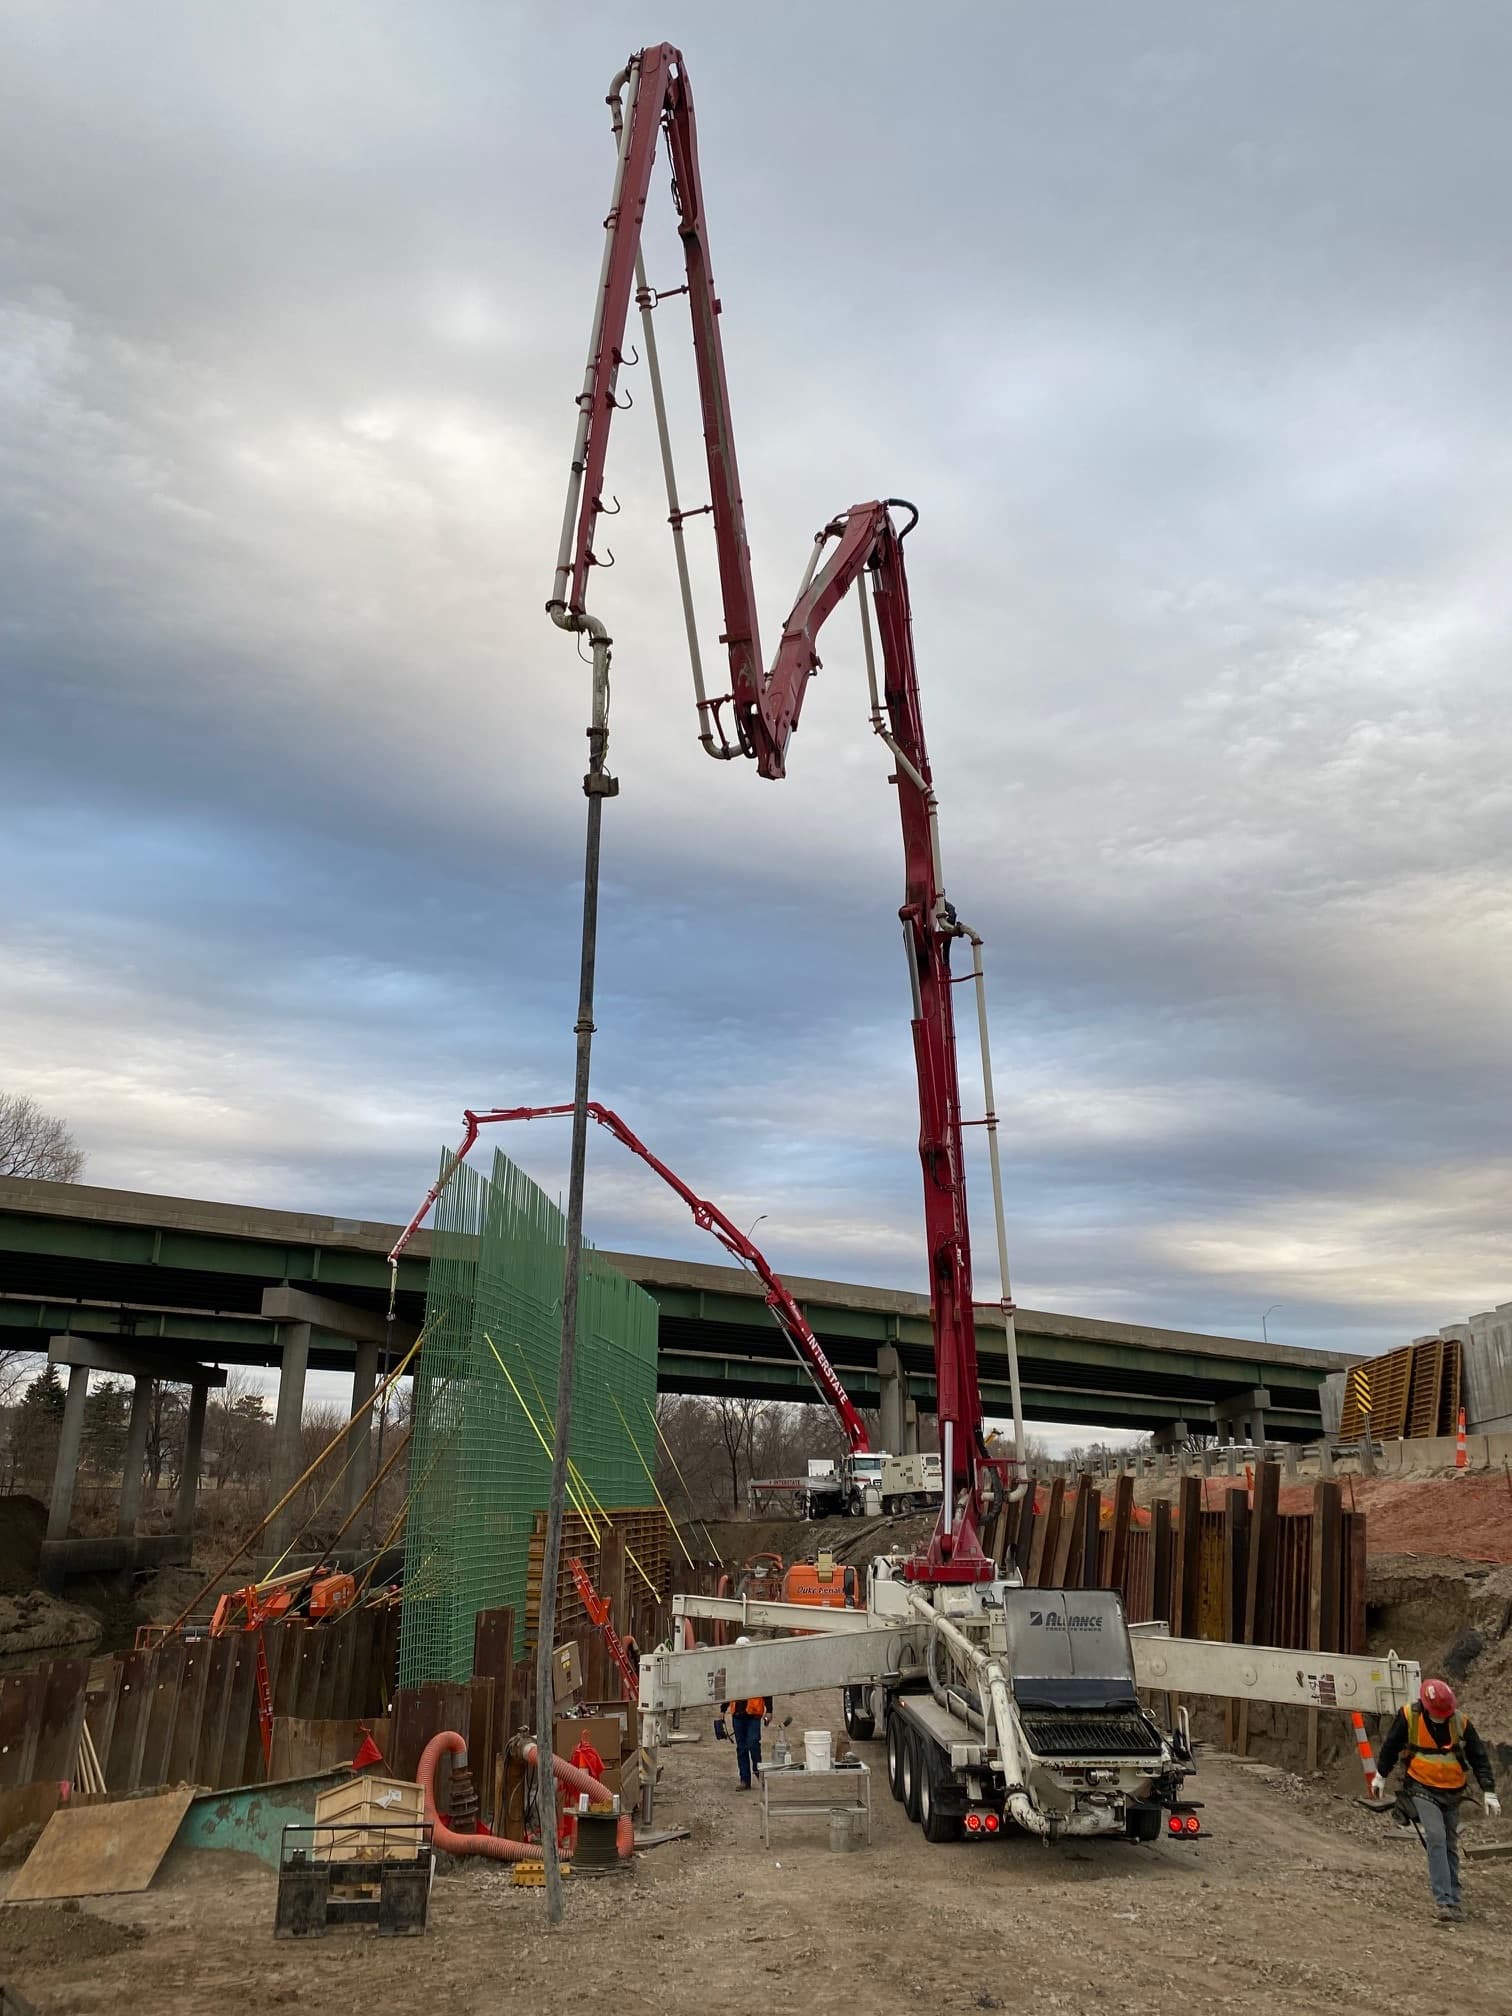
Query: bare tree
{"points": [[167, 1427], [239, 1430], [36, 1144], [688, 1454], [15, 1368], [735, 1421], [35, 1424], [322, 1501]]}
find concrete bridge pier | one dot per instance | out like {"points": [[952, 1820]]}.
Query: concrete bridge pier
{"points": [[300, 1315], [70, 1445], [135, 1456], [894, 1385], [145, 1365], [1242, 1415]]}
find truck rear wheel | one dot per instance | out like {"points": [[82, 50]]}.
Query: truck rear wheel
{"points": [[937, 1825], [896, 1734], [860, 1723], [913, 1770]]}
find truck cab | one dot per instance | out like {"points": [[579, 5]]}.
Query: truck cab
{"points": [[882, 1483]]}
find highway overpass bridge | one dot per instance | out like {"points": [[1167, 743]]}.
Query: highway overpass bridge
{"points": [[169, 1287]]}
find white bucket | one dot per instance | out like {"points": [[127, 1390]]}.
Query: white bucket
{"points": [[816, 1749]]}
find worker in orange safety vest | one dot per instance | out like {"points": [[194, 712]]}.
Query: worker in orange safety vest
{"points": [[1442, 1749], [746, 1718]]}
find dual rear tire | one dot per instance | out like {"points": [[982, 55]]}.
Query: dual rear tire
{"points": [[916, 1778]]}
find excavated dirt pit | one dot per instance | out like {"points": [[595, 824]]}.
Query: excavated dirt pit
{"points": [[37, 1936]]}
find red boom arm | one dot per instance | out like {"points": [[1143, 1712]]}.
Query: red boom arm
{"points": [[789, 1318], [766, 707]]}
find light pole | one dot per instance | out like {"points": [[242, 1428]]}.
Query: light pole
{"points": [[1263, 1331], [753, 1224]]}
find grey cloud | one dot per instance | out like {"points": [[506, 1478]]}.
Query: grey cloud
{"points": [[1184, 325]]}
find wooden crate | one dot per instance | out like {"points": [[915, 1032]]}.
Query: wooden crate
{"points": [[358, 1811]]}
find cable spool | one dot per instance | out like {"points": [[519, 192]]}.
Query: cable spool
{"points": [[597, 1851]]}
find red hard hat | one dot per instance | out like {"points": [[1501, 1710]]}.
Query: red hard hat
{"points": [[1438, 1699]]}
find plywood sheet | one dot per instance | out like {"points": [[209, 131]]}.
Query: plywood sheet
{"points": [[102, 1851]]}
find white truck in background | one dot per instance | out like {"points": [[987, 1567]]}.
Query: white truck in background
{"points": [[867, 1483], [873, 1483]]}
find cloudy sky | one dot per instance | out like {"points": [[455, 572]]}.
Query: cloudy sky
{"points": [[1185, 324]]}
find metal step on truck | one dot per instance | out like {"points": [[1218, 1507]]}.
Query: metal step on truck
{"points": [[1003, 1708]]}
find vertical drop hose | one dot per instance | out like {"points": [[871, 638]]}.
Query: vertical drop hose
{"points": [[495, 1847]]}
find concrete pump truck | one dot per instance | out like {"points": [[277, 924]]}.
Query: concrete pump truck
{"points": [[1000, 1706]]}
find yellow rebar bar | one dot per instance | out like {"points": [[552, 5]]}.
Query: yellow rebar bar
{"points": [[661, 1436], [651, 1479], [579, 1503], [574, 1472]]}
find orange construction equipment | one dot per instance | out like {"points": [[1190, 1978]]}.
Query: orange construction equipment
{"points": [[761, 1575], [329, 1593], [599, 1614], [840, 1588]]}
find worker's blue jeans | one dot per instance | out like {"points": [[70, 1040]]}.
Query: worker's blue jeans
{"points": [[1440, 1825], [747, 1744]]}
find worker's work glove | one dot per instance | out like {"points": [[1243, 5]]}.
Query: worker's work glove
{"points": [[1377, 1786], [766, 1722], [1493, 1806]]}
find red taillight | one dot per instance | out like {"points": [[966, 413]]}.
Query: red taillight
{"points": [[1175, 1823], [973, 1823], [1193, 1824], [991, 1822]]}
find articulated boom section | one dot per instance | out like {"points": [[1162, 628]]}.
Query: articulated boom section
{"points": [[651, 96], [786, 1313]]}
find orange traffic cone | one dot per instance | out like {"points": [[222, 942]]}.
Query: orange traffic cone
{"points": [[1461, 1453], [1362, 1746]]}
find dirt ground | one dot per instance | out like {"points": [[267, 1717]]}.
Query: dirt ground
{"points": [[1464, 1514], [1299, 1901]]}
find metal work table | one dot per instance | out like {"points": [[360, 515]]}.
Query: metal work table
{"points": [[843, 1788]]}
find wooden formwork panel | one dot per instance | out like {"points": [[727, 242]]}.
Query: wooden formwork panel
{"points": [[1449, 1393], [1138, 1584], [20, 1723], [62, 1718], [646, 1537], [1426, 1387], [1390, 1380]]}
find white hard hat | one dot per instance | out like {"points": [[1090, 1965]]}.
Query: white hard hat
{"points": [[742, 1641]]}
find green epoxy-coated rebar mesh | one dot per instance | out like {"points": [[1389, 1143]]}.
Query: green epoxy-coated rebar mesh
{"points": [[478, 1469]]}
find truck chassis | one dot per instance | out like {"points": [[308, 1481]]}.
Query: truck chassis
{"points": [[1004, 1708]]}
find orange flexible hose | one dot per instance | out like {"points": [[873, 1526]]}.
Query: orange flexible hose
{"points": [[497, 1847]]}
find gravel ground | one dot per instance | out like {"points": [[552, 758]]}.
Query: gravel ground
{"points": [[1300, 1901]]}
